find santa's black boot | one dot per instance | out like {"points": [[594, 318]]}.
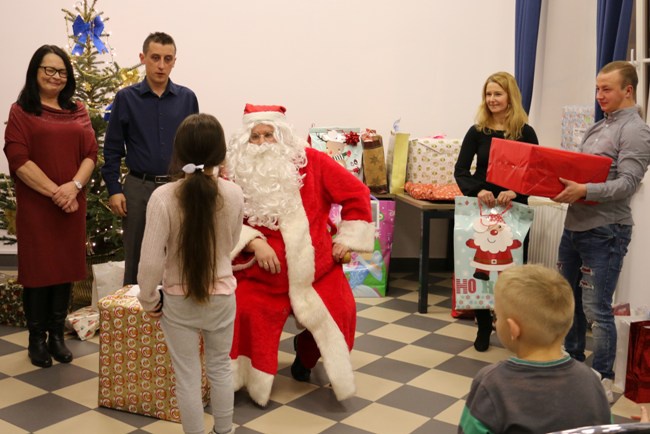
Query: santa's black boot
{"points": [[481, 275], [298, 370]]}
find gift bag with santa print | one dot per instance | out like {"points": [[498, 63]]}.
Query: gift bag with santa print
{"points": [[486, 242], [342, 144]]}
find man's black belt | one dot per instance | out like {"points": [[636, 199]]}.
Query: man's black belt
{"points": [[158, 179]]}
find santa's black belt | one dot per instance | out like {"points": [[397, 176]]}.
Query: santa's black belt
{"points": [[158, 179]]}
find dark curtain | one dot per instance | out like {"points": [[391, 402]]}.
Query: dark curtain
{"points": [[612, 34], [526, 29]]}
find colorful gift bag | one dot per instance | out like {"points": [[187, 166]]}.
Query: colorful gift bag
{"points": [[576, 119], [637, 378], [431, 160], [374, 163], [398, 148], [342, 144], [367, 273], [535, 170], [486, 242]]}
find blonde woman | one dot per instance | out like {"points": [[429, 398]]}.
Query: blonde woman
{"points": [[500, 115]]}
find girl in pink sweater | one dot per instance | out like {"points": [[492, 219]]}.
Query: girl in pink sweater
{"points": [[192, 225]]}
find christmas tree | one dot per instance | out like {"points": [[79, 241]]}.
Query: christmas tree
{"points": [[98, 78], [7, 209]]}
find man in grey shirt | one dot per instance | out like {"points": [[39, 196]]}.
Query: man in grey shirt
{"points": [[596, 234]]}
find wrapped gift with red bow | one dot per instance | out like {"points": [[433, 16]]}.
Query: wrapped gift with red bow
{"points": [[536, 170]]}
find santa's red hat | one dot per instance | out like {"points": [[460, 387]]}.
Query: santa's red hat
{"points": [[271, 113]]}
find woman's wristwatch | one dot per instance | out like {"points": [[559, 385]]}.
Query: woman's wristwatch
{"points": [[77, 184]]}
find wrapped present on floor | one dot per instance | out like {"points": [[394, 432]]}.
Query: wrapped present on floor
{"points": [[576, 119], [535, 170], [135, 368], [340, 143], [11, 302], [83, 322], [374, 162], [431, 160]]}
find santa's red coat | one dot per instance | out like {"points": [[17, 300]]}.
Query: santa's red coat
{"points": [[311, 284]]}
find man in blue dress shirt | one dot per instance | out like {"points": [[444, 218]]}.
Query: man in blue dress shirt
{"points": [[141, 129]]}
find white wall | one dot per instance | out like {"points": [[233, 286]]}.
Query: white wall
{"points": [[633, 284], [566, 65], [363, 63]]}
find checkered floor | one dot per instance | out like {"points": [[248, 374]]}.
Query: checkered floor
{"points": [[412, 373]]}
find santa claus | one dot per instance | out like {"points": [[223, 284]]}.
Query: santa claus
{"points": [[286, 261], [493, 242]]}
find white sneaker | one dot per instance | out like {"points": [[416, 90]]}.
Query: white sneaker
{"points": [[607, 385]]}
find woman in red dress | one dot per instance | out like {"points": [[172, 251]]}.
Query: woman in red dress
{"points": [[51, 148]]}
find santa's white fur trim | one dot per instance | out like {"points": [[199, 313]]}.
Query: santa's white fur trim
{"points": [[248, 234], [308, 307], [358, 235], [258, 383], [269, 116], [496, 267]]}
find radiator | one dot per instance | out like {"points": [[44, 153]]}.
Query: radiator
{"points": [[546, 231]]}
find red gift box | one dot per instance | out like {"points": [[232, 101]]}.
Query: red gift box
{"points": [[535, 170]]}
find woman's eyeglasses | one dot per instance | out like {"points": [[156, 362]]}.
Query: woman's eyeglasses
{"points": [[50, 72]]}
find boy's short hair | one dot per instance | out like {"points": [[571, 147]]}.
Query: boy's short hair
{"points": [[539, 299]]}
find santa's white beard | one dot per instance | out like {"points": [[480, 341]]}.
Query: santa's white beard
{"points": [[269, 178], [494, 243]]}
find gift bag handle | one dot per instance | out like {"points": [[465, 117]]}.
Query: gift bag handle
{"points": [[493, 218]]}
